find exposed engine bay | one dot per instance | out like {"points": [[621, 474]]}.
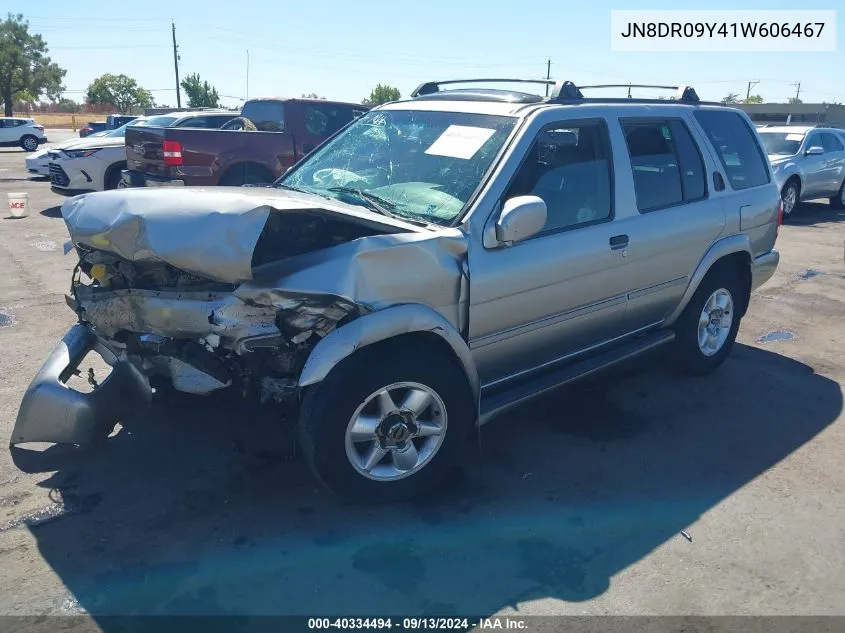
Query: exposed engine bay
{"points": [[201, 290]]}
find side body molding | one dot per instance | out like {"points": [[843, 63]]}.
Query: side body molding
{"points": [[721, 248], [382, 325]]}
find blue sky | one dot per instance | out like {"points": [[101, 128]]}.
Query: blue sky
{"points": [[341, 49]]}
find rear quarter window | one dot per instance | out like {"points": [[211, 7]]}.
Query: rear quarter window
{"points": [[267, 116], [737, 147]]}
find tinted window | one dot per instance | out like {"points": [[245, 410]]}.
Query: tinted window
{"points": [[737, 147], [666, 164], [163, 121], [569, 168], [324, 119], [267, 116], [3, 123], [831, 143], [218, 120]]}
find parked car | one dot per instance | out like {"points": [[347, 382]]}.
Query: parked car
{"points": [[23, 132], [808, 163], [437, 262], [91, 127], [286, 130], [90, 164]]}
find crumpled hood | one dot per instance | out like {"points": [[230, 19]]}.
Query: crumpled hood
{"points": [[210, 232]]}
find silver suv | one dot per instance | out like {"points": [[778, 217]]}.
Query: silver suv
{"points": [[436, 262], [808, 163]]}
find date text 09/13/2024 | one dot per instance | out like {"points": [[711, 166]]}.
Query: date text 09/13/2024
{"points": [[419, 623]]}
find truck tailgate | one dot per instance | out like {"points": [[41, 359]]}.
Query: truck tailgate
{"points": [[144, 149]]}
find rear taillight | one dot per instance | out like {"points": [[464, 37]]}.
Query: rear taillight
{"points": [[38, 127], [172, 152]]}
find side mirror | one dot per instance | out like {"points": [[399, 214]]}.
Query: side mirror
{"points": [[521, 217], [814, 150]]}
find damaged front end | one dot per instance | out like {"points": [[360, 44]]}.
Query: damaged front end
{"points": [[244, 315]]}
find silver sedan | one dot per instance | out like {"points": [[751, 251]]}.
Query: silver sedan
{"points": [[808, 163]]}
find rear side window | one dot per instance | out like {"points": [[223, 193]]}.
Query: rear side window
{"points": [[267, 116], [737, 147], [163, 121], [667, 166], [325, 119], [218, 120]]}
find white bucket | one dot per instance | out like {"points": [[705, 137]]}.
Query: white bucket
{"points": [[17, 204]]}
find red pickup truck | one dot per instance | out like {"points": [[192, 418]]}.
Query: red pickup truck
{"points": [[286, 130]]}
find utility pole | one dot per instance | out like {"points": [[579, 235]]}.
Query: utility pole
{"points": [[176, 66], [797, 85], [748, 92], [548, 74], [629, 91]]}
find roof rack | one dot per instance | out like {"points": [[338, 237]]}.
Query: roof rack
{"points": [[568, 92]]}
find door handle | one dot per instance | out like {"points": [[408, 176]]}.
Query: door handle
{"points": [[618, 242]]}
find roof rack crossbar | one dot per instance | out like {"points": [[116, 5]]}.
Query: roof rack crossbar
{"points": [[429, 87], [567, 91]]}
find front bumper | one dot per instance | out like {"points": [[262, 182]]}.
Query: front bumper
{"points": [[763, 268], [132, 178], [53, 412]]}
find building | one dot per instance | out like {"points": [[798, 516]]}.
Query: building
{"points": [[828, 114]]}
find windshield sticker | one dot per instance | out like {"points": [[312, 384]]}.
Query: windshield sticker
{"points": [[460, 141], [794, 137]]}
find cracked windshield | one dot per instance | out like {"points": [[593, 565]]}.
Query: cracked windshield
{"points": [[413, 164]]}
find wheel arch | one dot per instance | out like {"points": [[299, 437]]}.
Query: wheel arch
{"points": [[734, 251], [118, 166], [391, 324]]}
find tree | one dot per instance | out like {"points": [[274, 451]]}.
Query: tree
{"points": [[25, 69], [794, 100], [753, 99], [200, 93], [382, 94], [68, 105], [119, 91], [312, 95], [732, 98]]}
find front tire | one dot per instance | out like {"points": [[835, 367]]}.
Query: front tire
{"points": [[29, 143], [790, 195], [706, 330], [388, 423], [838, 201]]}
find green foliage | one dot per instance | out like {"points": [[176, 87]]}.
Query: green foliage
{"points": [[119, 91], [200, 93], [382, 94], [753, 99], [794, 100], [732, 98], [26, 72]]}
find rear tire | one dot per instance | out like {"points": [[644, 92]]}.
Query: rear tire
{"points": [[838, 201], [29, 143], [706, 330], [330, 436]]}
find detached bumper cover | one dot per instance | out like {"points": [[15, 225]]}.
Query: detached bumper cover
{"points": [[763, 268], [53, 412]]}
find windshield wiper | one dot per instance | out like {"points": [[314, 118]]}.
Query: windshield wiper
{"points": [[370, 200]]}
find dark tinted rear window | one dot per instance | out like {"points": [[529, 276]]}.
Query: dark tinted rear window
{"points": [[326, 119], [161, 120], [741, 156], [267, 116]]}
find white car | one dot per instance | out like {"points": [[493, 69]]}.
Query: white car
{"points": [[24, 132], [38, 163], [88, 164]]}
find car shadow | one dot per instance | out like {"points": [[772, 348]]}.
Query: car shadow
{"points": [[815, 212], [200, 507], [52, 212]]}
